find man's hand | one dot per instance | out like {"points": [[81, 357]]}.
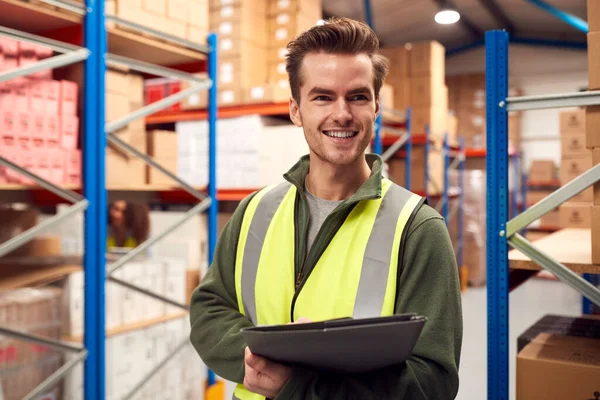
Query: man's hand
{"points": [[263, 376], [266, 377]]}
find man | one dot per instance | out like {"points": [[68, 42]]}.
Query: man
{"points": [[335, 240]]}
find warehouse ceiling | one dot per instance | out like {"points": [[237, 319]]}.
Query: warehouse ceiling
{"points": [[401, 21]]}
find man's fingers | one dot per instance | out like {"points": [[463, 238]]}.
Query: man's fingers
{"points": [[258, 363]]}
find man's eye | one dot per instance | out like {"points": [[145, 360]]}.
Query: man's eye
{"points": [[321, 98], [359, 97]]}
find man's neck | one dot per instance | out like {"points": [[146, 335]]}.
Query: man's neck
{"points": [[336, 182]]}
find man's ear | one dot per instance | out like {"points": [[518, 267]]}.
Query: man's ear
{"points": [[295, 112]]}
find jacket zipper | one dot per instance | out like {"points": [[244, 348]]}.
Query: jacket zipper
{"points": [[301, 278]]}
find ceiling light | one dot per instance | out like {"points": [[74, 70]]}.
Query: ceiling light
{"points": [[447, 16]]}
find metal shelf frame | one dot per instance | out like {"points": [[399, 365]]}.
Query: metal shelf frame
{"points": [[403, 141], [95, 136], [501, 231]]}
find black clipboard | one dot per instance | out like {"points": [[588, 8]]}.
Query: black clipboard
{"points": [[342, 345]]}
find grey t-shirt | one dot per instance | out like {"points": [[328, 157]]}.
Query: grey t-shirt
{"points": [[319, 210]]}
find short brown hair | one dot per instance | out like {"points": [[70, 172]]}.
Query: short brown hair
{"points": [[338, 36]]}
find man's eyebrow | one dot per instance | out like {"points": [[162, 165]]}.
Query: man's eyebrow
{"points": [[318, 90], [359, 90]]}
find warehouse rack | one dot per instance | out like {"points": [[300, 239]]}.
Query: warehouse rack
{"points": [[501, 231], [405, 140], [96, 133]]}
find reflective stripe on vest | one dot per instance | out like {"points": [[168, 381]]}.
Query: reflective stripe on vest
{"points": [[355, 276]]}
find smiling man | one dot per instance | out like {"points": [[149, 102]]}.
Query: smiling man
{"points": [[334, 240]]}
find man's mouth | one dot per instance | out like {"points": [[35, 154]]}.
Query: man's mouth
{"points": [[340, 134]]}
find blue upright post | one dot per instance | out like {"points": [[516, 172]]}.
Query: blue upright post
{"points": [[212, 159], [408, 146], [445, 197], [516, 187], [94, 145], [426, 166], [378, 145], [496, 43], [461, 202]]}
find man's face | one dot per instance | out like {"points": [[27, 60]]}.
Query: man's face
{"points": [[337, 106]]}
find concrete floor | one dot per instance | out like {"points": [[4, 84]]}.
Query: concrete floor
{"points": [[528, 303]]}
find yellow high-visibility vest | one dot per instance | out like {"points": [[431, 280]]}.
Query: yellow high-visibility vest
{"points": [[356, 276]]}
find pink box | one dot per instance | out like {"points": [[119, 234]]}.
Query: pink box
{"points": [[9, 46], [28, 48], [24, 129], [43, 162], [72, 167], [37, 97], [57, 166], [7, 98], [43, 52], [21, 97], [39, 133], [69, 132], [7, 123], [12, 63], [52, 89], [52, 129], [27, 161], [12, 155], [68, 98]]}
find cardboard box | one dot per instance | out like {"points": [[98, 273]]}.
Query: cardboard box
{"points": [[576, 215], [69, 132], [593, 40], [596, 234], [243, 71], [573, 145], [572, 122], [162, 144], [312, 9], [195, 34], [593, 15], [270, 93], [428, 59], [37, 97], [592, 127], [566, 360], [198, 14], [244, 24], [399, 61], [24, 129], [284, 26], [21, 98], [435, 118], [552, 219], [158, 7], [534, 196], [571, 169], [542, 171], [124, 172], [424, 91]]}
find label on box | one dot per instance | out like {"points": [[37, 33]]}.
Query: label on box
{"points": [[226, 45], [226, 73], [282, 52], [281, 69], [227, 96], [257, 92], [226, 28], [281, 33], [283, 4], [227, 12], [282, 19]]}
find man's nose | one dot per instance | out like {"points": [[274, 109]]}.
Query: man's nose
{"points": [[341, 112]]}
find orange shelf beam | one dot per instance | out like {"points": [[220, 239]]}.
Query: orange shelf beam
{"points": [[169, 117], [554, 183]]}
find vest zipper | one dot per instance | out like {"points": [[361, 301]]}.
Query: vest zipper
{"points": [[301, 279]]}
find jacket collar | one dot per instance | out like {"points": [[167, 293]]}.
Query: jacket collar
{"points": [[369, 190]]}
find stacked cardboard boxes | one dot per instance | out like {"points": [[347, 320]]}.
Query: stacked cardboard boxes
{"points": [[542, 174], [592, 117], [24, 365], [397, 171], [124, 94], [575, 160], [39, 127], [186, 19], [162, 146], [286, 19], [467, 102], [242, 30], [417, 76]]}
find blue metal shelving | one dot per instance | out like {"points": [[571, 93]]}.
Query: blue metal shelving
{"points": [[96, 133], [500, 230]]}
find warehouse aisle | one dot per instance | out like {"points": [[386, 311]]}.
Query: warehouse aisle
{"points": [[528, 303]]}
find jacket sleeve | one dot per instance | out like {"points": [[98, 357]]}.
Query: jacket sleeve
{"points": [[428, 286], [214, 315]]}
